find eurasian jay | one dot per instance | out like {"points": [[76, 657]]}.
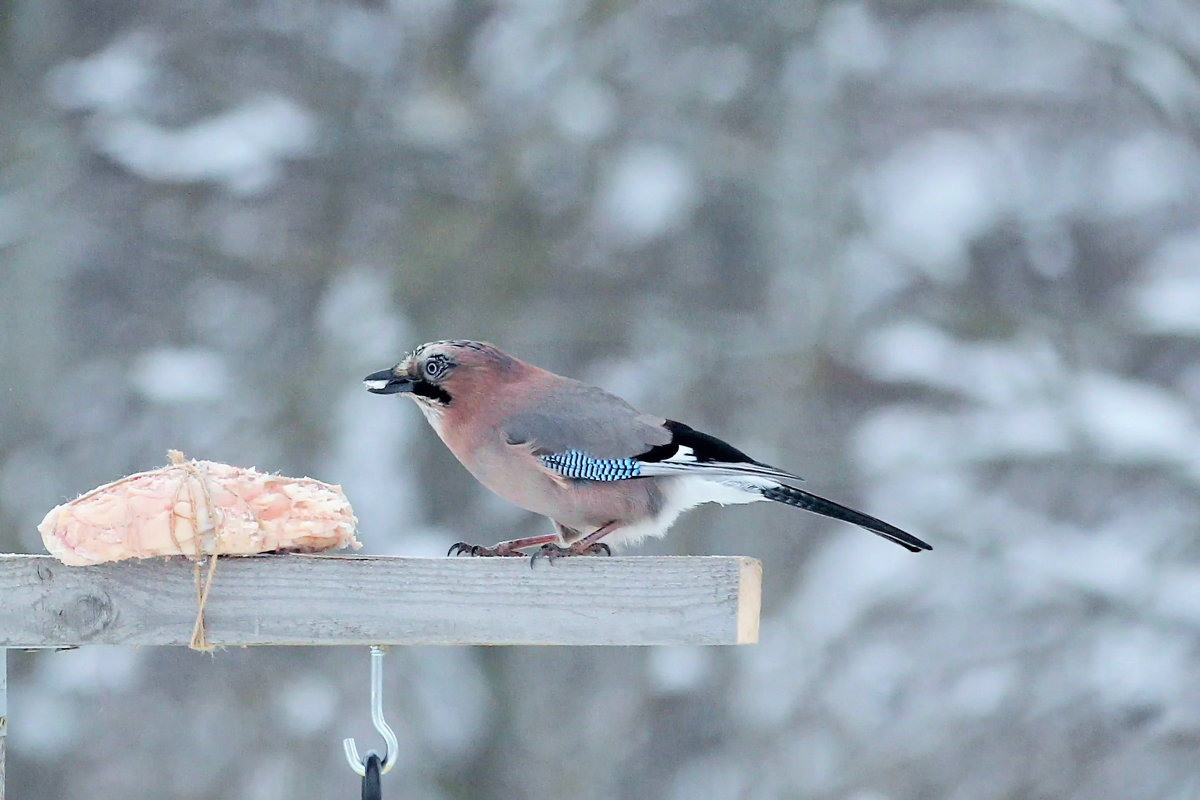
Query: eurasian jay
{"points": [[596, 466]]}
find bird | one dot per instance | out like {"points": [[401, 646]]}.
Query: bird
{"points": [[604, 473]]}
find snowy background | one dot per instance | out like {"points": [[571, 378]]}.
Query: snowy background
{"points": [[943, 259]]}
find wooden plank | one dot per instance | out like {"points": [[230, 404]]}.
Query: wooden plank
{"points": [[360, 600]]}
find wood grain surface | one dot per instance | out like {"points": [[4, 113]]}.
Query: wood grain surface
{"points": [[357, 600]]}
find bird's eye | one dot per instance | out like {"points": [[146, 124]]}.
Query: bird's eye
{"points": [[434, 368]]}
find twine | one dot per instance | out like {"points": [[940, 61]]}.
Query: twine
{"points": [[204, 582]]}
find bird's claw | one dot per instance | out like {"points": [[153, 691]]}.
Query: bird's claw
{"points": [[479, 551], [551, 552]]}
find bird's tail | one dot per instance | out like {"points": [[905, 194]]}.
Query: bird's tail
{"points": [[819, 505]]}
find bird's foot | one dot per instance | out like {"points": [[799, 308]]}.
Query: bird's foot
{"points": [[551, 551], [503, 549]]}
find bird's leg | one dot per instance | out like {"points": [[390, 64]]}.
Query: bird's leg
{"points": [[589, 545], [512, 547]]}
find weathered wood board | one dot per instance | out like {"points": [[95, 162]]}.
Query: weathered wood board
{"points": [[359, 600]]}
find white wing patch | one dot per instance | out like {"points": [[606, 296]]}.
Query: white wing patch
{"points": [[684, 455]]}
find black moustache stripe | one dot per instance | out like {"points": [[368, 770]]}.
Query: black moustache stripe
{"points": [[434, 393]]}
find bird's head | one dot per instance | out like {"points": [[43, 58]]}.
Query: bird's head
{"points": [[436, 373]]}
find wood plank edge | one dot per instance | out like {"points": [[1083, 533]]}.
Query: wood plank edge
{"points": [[749, 601]]}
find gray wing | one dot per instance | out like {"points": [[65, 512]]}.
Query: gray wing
{"points": [[578, 417]]}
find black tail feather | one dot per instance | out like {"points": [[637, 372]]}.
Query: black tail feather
{"points": [[819, 505]]}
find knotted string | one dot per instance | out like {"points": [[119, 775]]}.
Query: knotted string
{"points": [[189, 470]]}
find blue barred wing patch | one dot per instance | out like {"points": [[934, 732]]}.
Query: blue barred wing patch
{"points": [[578, 464]]}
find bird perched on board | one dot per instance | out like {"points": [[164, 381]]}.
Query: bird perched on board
{"points": [[602, 471]]}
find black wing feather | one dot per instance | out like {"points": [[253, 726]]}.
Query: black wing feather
{"points": [[705, 448]]}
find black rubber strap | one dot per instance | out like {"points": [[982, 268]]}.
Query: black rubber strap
{"points": [[370, 790]]}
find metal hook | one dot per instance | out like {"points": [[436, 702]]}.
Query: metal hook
{"points": [[391, 746]]}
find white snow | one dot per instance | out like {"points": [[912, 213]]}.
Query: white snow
{"points": [[646, 192], [111, 80], [242, 148], [981, 691], [1134, 422], [1147, 171], [95, 669], [1098, 564], [992, 372], [1176, 593], [356, 314], [181, 374], [908, 437], [1166, 296], [676, 670], [584, 110], [1025, 404], [308, 703], [1139, 665], [851, 40], [932, 197]]}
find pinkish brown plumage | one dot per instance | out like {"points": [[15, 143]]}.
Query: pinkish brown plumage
{"points": [[592, 463]]}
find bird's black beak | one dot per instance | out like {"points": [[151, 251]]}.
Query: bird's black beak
{"points": [[387, 382]]}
